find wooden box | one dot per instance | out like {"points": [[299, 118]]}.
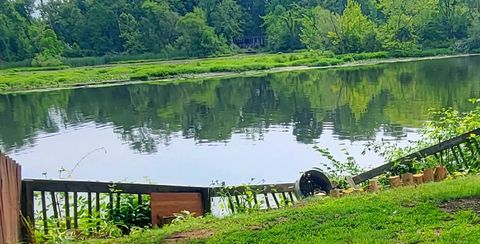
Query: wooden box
{"points": [[164, 205]]}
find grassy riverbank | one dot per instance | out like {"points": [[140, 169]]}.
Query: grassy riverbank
{"points": [[428, 213], [25, 79]]}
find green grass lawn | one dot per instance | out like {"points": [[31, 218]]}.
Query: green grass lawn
{"points": [[29, 78], [405, 215]]}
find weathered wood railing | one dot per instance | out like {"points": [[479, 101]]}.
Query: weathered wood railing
{"points": [[458, 146], [93, 191], [59, 200], [262, 196]]}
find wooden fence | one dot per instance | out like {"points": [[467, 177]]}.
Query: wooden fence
{"points": [[256, 196], [60, 199], [47, 200], [10, 187]]}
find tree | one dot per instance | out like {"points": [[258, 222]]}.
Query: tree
{"points": [[404, 19], [355, 32], [130, 33], [253, 10], [158, 25], [449, 11], [474, 34], [283, 28], [227, 20], [15, 43], [102, 27], [316, 25], [196, 37], [50, 48]]}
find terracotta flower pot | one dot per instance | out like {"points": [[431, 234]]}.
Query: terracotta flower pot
{"points": [[395, 181], [427, 175], [407, 179], [418, 179], [373, 185], [440, 173]]}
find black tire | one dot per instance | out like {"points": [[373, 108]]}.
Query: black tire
{"points": [[312, 182]]}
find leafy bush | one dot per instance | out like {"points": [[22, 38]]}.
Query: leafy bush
{"points": [[143, 77], [348, 58], [45, 60], [443, 125]]}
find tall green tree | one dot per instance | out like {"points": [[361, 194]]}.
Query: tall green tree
{"points": [[451, 12], [102, 27], [67, 19], [404, 20], [252, 18], [196, 38], [473, 40], [158, 25], [317, 24], [355, 32], [50, 49], [130, 33], [283, 28], [15, 41], [227, 19]]}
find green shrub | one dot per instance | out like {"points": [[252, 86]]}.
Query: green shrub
{"points": [[328, 54], [44, 60], [303, 62], [347, 58], [326, 62], [365, 56], [143, 77]]}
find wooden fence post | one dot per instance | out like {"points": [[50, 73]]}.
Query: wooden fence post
{"points": [[207, 200], [10, 181], [27, 209]]}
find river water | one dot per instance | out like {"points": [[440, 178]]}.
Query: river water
{"points": [[234, 130]]}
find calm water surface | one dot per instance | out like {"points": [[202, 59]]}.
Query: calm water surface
{"points": [[228, 129]]}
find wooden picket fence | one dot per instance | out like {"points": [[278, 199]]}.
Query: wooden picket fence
{"points": [[10, 189]]}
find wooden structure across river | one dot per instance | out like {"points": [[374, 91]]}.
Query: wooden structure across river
{"points": [[63, 200]]}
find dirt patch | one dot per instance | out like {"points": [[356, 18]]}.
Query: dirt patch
{"points": [[281, 219], [189, 235], [256, 227], [456, 205], [269, 224]]}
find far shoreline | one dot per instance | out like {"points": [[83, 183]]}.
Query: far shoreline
{"points": [[250, 73]]}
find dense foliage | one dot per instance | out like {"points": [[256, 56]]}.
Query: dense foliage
{"points": [[443, 124], [43, 31]]}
